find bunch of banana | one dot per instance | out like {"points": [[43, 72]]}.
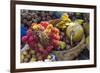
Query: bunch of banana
{"points": [[64, 21]]}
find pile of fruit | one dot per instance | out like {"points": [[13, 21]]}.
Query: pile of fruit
{"points": [[28, 16], [40, 39]]}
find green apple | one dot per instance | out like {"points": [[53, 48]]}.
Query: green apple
{"points": [[74, 31]]}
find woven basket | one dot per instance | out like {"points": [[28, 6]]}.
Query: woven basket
{"points": [[72, 53]]}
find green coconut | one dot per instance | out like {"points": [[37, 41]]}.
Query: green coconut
{"points": [[74, 32]]}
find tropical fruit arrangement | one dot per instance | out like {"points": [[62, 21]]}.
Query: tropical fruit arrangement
{"points": [[54, 36]]}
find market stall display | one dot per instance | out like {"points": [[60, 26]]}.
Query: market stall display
{"points": [[54, 36]]}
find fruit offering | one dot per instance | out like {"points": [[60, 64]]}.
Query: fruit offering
{"points": [[42, 41], [47, 35]]}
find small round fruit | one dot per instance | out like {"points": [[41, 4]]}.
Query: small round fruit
{"points": [[55, 30], [29, 17], [33, 56], [28, 56], [36, 27], [56, 42], [33, 59], [25, 53], [57, 37], [76, 31], [32, 52], [49, 26], [24, 39], [26, 60], [44, 24], [24, 21], [62, 44], [31, 39]]}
